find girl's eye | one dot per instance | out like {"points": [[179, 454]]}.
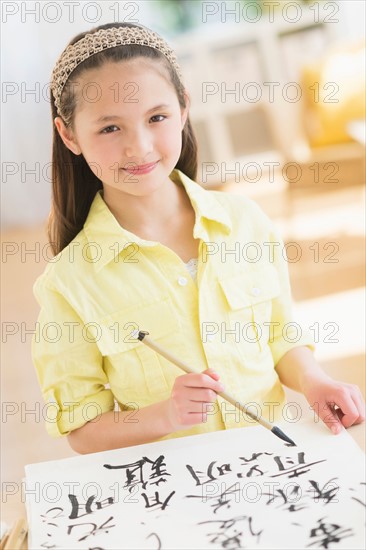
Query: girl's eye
{"points": [[156, 116], [108, 130]]}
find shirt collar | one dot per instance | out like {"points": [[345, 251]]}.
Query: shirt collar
{"points": [[101, 227], [205, 204]]}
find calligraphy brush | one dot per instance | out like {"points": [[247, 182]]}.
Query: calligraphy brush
{"points": [[142, 336]]}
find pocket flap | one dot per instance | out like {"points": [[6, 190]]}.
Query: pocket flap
{"points": [[249, 288], [120, 328]]}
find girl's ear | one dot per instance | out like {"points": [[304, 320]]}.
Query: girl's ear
{"points": [[67, 136]]}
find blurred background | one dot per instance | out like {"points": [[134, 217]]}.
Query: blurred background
{"points": [[278, 104]]}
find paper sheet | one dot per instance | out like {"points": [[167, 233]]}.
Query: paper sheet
{"points": [[240, 488]]}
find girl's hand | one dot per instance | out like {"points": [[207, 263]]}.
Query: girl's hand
{"points": [[336, 403], [190, 394]]}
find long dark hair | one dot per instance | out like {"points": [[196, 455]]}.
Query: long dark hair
{"points": [[74, 185]]}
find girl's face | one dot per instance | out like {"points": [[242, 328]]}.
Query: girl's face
{"points": [[128, 125]]}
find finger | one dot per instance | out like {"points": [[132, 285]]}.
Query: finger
{"points": [[360, 410], [190, 412], [192, 407], [188, 395], [202, 381], [330, 417], [205, 395], [211, 372], [360, 405], [345, 402]]}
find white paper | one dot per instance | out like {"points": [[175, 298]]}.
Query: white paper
{"points": [[240, 488]]}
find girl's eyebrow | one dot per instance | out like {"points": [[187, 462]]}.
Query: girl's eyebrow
{"points": [[107, 118]]}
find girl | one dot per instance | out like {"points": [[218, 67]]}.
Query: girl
{"points": [[128, 226]]}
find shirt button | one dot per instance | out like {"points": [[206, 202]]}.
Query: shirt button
{"points": [[182, 281], [256, 291]]}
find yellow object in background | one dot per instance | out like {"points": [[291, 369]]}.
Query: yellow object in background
{"points": [[334, 93]]}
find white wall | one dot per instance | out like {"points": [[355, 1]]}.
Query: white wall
{"points": [[352, 17]]}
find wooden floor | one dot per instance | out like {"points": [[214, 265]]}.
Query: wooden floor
{"points": [[326, 224]]}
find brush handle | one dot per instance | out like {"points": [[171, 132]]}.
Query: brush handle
{"points": [[176, 361]]}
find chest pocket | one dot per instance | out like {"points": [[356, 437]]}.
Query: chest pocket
{"points": [[249, 305], [136, 373]]}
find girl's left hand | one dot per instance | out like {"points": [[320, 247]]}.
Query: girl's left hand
{"points": [[336, 403]]}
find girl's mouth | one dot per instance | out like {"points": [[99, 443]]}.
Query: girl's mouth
{"points": [[142, 169]]}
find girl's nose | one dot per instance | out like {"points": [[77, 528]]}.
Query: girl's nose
{"points": [[138, 145]]}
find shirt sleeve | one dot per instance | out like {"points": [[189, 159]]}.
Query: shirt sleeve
{"points": [[285, 332], [69, 365]]}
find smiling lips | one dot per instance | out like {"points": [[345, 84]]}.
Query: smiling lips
{"points": [[142, 169]]}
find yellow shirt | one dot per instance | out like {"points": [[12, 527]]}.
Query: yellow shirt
{"points": [[108, 282]]}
